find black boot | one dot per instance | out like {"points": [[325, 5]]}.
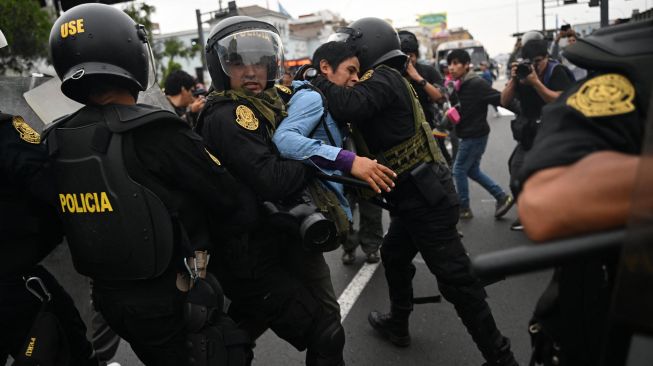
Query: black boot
{"points": [[502, 356], [393, 325]]}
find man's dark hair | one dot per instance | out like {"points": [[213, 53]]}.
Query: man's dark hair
{"points": [[176, 80], [334, 53], [459, 55], [534, 48]]}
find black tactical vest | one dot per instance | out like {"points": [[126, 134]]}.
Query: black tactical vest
{"points": [[117, 229]]}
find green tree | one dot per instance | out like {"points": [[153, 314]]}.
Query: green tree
{"points": [[141, 13], [27, 29], [172, 48]]}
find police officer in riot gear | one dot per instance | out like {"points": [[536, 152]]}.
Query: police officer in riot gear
{"points": [[593, 134], [29, 229], [272, 281], [137, 191], [387, 114]]}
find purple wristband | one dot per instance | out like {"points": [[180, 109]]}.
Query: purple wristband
{"points": [[343, 162]]}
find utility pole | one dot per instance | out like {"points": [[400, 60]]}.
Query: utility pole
{"points": [[605, 18], [200, 36], [543, 19], [517, 14]]}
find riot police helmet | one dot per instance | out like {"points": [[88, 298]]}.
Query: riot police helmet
{"points": [[409, 43], [377, 42], [93, 44], [531, 36], [243, 41], [3, 40]]}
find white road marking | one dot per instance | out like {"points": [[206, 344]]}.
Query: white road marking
{"points": [[348, 297]]}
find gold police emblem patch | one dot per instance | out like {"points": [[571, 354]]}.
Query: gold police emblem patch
{"points": [[605, 95], [26, 132], [245, 118], [284, 88], [366, 75]]}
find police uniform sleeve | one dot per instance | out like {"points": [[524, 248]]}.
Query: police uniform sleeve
{"points": [[22, 166], [176, 154], [573, 126], [250, 156], [360, 102]]}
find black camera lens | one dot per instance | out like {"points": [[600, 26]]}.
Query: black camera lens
{"points": [[318, 233], [523, 69]]}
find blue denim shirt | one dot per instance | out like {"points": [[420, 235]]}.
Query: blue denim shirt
{"points": [[293, 141]]}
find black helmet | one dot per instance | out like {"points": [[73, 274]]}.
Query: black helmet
{"points": [[531, 36], [243, 40], [409, 43], [96, 40], [376, 40]]}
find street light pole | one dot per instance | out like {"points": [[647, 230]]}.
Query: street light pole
{"points": [[200, 36]]}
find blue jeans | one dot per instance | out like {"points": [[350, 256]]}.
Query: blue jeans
{"points": [[468, 164]]}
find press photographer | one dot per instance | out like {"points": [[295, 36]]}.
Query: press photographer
{"points": [[535, 80]]}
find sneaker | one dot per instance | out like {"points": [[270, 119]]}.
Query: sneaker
{"points": [[503, 205], [516, 225], [348, 257], [466, 213], [373, 257]]}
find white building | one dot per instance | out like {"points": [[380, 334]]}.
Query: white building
{"points": [[300, 36]]}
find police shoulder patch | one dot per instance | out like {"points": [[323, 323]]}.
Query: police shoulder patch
{"points": [[25, 132], [283, 88], [368, 74], [245, 118], [603, 96]]}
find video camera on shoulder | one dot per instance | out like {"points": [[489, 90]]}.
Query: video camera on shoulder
{"points": [[524, 68], [301, 216]]}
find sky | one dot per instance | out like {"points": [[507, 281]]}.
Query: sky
{"points": [[489, 21]]}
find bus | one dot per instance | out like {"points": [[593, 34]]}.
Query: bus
{"points": [[475, 49]]}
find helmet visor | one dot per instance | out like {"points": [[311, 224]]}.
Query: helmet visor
{"points": [[257, 49]]}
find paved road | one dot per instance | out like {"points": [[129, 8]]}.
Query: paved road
{"points": [[438, 335]]}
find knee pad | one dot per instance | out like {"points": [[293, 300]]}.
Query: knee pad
{"points": [[326, 343], [204, 303], [213, 338]]}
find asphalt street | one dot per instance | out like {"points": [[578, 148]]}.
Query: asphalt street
{"points": [[438, 336]]}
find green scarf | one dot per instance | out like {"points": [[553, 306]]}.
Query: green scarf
{"points": [[268, 102]]}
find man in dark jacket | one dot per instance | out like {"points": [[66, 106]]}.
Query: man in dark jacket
{"points": [[473, 130]]}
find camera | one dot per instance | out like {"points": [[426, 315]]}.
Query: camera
{"points": [[200, 91], [524, 68], [306, 72], [301, 216]]}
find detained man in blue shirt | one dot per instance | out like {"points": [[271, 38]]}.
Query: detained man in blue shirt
{"points": [[304, 136]]}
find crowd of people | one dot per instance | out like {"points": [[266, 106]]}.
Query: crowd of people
{"points": [[240, 192]]}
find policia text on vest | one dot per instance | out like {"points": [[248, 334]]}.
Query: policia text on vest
{"points": [[91, 202]]}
